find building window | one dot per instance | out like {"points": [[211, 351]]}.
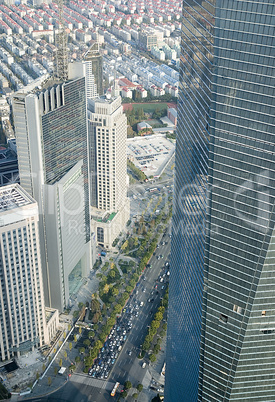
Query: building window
{"points": [[223, 318]]}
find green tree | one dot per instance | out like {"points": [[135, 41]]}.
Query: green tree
{"points": [[49, 381], [87, 342], [75, 338], [91, 334], [65, 354], [156, 349], [72, 367], [60, 362], [70, 346], [152, 358], [55, 370], [81, 350], [127, 385], [139, 387], [135, 395], [77, 359], [124, 394], [37, 375], [80, 330]]}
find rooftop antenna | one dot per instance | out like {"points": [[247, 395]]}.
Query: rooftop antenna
{"points": [[61, 71]]}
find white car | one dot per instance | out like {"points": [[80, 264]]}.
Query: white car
{"points": [[143, 365]]}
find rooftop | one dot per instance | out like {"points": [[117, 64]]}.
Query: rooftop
{"points": [[13, 196]]}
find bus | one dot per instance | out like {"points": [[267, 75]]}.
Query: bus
{"points": [[153, 189], [115, 389]]}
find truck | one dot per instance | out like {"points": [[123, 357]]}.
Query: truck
{"points": [[62, 370]]}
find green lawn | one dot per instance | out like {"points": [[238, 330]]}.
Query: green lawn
{"points": [[150, 107]]}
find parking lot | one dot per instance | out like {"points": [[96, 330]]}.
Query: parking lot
{"points": [[150, 154]]}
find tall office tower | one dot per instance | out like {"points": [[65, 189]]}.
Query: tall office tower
{"points": [[107, 128], [221, 326], [51, 133], [91, 68], [22, 311]]}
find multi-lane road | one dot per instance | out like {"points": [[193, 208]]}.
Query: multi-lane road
{"points": [[82, 388]]}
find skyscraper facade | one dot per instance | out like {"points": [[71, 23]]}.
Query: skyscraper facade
{"points": [[22, 310], [91, 67], [107, 128], [221, 333], [51, 133]]}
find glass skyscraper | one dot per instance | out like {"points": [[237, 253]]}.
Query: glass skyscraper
{"points": [[221, 324], [51, 135]]}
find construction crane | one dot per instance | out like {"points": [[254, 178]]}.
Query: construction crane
{"points": [[61, 62]]}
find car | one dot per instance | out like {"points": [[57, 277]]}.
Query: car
{"points": [[161, 279], [129, 352], [143, 365], [136, 313], [163, 243], [149, 266], [162, 287], [144, 290], [141, 303], [156, 286], [167, 264], [144, 278], [161, 256], [158, 257]]}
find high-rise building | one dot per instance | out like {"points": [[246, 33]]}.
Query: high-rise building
{"points": [[221, 332], [107, 128], [91, 68], [51, 133], [22, 311]]}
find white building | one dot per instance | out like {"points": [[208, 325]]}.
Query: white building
{"points": [[107, 128], [22, 311], [91, 68]]}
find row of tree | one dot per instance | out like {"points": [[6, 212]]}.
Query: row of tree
{"points": [[157, 327], [136, 171]]}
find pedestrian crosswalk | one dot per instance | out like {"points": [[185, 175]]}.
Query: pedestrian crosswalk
{"points": [[94, 382]]}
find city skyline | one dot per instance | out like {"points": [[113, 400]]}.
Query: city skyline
{"points": [[220, 331]]}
